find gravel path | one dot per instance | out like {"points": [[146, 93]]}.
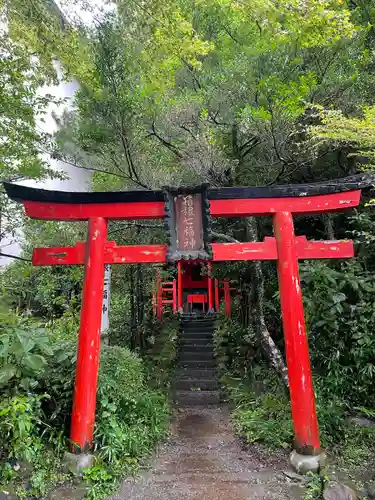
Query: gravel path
{"points": [[204, 461]]}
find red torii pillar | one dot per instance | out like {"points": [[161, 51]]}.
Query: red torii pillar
{"points": [[85, 387], [306, 433]]}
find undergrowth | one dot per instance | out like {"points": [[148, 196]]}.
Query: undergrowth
{"points": [[37, 367]]}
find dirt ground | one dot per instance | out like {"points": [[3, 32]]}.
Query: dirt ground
{"points": [[203, 460]]}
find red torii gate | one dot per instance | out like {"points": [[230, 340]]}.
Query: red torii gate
{"points": [[282, 202]]}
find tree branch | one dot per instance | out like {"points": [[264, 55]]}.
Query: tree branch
{"points": [[165, 143], [225, 237], [56, 156], [3, 254], [136, 224]]}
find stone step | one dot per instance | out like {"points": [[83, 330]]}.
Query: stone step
{"points": [[196, 334], [197, 322], [197, 330], [197, 398], [192, 347], [187, 384], [195, 340], [196, 373], [195, 315], [196, 355], [208, 363]]}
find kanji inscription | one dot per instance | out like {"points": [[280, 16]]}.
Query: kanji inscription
{"points": [[189, 227]]}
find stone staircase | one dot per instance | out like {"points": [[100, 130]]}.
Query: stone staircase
{"points": [[196, 377]]}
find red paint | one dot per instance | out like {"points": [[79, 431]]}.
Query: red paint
{"points": [[135, 254], [330, 249], [188, 267], [168, 295], [267, 250], [210, 297], [245, 251], [175, 296], [113, 254], [219, 208], [160, 302], [227, 299], [300, 205], [84, 401], [59, 256], [198, 298], [149, 254], [217, 297], [123, 211], [180, 288], [297, 352]]}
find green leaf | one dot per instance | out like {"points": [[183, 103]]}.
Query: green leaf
{"points": [[7, 372], [17, 349], [35, 362], [25, 340], [47, 349]]}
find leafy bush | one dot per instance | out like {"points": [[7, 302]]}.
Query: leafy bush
{"points": [[234, 346], [261, 415], [20, 420], [161, 354], [44, 291], [36, 402], [340, 313], [130, 416]]}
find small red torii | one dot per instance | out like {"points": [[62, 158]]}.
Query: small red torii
{"points": [[187, 211]]}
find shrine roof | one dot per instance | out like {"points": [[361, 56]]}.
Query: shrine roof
{"points": [[21, 193]]}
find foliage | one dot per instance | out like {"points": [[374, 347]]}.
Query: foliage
{"points": [[19, 419], [356, 132], [162, 352], [130, 416], [314, 487], [234, 346], [340, 315], [23, 353], [261, 416]]}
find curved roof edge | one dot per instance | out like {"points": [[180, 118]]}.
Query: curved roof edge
{"points": [[21, 193]]}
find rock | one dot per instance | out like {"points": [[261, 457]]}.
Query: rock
{"points": [[293, 476], [338, 491], [77, 463], [362, 422], [369, 491], [303, 464], [6, 495]]}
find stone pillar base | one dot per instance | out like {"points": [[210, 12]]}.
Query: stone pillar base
{"points": [[303, 464], [77, 463]]}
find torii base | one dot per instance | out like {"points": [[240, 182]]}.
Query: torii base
{"points": [[77, 464], [303, 464]]}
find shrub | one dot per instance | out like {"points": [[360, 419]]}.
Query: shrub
{"points": [[234, 346], [161, 354], [340, 313], [130, 416], [36, 402], [263, 418], [20, 423]]}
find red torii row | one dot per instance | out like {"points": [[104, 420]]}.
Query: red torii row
{"points": [[279, 201]]}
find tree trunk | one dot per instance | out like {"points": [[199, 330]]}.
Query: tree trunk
{"points": [[133, 319], [272, 352], [329, 226]]}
